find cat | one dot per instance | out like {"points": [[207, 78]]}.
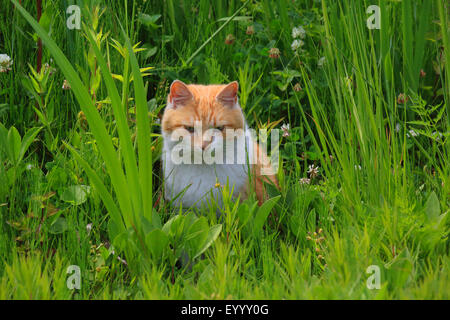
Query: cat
{"points": [[205, 118]]}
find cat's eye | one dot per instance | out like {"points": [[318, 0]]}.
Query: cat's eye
{"points": [[190, 129]]}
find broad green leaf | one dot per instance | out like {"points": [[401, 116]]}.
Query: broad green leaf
{"points": [[157, 241], [243, 214], [174, 227], [213, 233], [263, 212], [147, 226], [168, 225], [13, 145], [113, 229], [150, 52], [149, 20], [156, 220], [27, 140], [58, 226], [197, 235], [41, 116], [432, 207], [121, 240], [76, 195]]}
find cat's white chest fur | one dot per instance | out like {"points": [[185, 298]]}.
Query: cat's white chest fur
{"points": [[193, 184]]}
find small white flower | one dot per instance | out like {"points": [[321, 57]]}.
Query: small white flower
{"points": [[298, 32], [5, 63], [66, 85], [89, 228], [285, 128], [437, 135], [397, 127], [122, 260], [297, 87], [313, 171], [296, 44], [304, 181], [412, 133], [321, 62], [29, 166], [49, 69], [274, 53]]}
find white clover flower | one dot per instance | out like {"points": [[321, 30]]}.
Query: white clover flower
{"points": [[412, 133], [297, 87], [437, 135], [48, 68], [274, 53], [313, 171], [321, 62], [285, 128], [296, 44], [66, 85], [304, 181], [5, 63], [298, 32]]}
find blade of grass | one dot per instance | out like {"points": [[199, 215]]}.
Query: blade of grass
{"points": [[407, 29], [443, 17], [215, 33], [87, 106], [420, 37], [122, 127], [143, 134]]}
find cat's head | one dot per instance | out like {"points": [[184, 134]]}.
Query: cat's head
{"points": [[202, 109]]}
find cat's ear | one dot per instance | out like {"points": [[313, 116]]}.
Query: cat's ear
{"points": [[228, 95], [179, 94]]}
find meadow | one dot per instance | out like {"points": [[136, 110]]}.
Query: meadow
{"points": [[359, 89]]}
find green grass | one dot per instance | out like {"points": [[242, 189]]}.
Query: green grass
{"points": [[81, 185]]}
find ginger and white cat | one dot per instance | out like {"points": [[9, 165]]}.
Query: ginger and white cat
{"points": [[207, 117]]}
